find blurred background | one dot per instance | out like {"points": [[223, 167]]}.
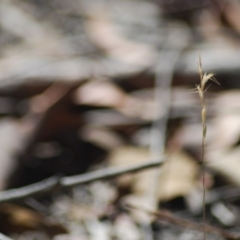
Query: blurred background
{"points": [[88, 85]]}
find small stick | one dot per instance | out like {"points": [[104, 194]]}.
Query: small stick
{"points": [[169, 217], [50, 184]]}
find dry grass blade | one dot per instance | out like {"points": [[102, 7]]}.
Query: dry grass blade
{"points": [[204, 78]]}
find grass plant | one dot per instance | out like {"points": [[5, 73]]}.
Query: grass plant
{"points": [[201, 89]]}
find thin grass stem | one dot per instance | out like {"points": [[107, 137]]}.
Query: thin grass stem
{"points": [[204, 78]]}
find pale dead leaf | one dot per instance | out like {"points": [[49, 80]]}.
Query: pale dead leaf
{"points": [[104, 93], [177, 178], [101, 136], [227, 131], [127, 156], [227, 121], [100, 93], [222, 155], [225, 162]]}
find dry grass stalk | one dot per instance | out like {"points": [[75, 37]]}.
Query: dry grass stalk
{"points": [[201, 89]]}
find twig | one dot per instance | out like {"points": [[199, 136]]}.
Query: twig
{"points": [[164, 70], [39, 188], [175, 43], [53, 183], [108, 173], [169, 217]]}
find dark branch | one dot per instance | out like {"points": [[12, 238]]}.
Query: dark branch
{"points": [[53, 183]]}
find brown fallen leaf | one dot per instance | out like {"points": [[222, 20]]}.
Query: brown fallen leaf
{"points": [[231, 13], [17, 219]]}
